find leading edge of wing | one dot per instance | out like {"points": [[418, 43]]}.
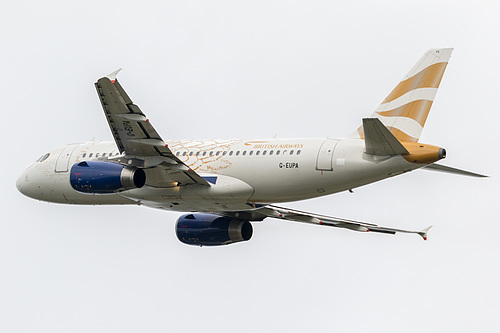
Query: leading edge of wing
{"points": [[304, 217]]}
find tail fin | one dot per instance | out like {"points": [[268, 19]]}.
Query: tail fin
{"points": [[404, 111]]}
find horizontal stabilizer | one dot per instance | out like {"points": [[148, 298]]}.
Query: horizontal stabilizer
{"points": [[379, 140], [447, 169]]}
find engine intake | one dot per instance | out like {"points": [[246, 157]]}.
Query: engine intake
{"points": [[211, 230], [101, 177]]}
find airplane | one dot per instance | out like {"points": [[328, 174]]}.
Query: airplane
{"points": [[224, 185]]}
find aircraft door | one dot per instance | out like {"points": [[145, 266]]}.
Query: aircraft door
{"points": [[62, 162], [324, 161]]}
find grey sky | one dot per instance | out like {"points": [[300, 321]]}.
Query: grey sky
{"points": [[252, 69]]}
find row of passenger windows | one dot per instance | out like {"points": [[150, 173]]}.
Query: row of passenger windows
{"points": [[99, 154], [211, 153], [237, 153]]}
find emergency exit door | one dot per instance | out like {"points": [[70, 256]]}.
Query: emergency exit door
{"points": [[62, 162], [325, 155]]}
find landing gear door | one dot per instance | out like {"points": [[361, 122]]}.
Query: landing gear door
{"points": [[324, 161], [63, 159]]}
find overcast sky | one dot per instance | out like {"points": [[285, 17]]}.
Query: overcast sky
{"points": [[251, 69]]}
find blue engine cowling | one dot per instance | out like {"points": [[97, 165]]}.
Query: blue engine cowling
{"points": [[211, 229], [105, 177]]}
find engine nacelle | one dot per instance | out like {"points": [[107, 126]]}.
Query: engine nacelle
{"points": [[211, 229], [103, 177]]}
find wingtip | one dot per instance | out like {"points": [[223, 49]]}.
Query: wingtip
{"points": [[112, 76], [423, 233]]}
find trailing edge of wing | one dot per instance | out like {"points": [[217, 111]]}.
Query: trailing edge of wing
{"points": [[298, 216], [379, 140], [447, 169]]}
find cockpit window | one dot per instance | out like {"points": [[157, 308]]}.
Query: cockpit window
{"points": [[43, 157]]}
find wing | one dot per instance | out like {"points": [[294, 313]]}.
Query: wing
{"points": [[298, 216], [137, 139]]}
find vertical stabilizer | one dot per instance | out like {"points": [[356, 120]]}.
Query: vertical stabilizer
{"points": [[405, 110]]}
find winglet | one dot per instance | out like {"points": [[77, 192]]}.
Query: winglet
{"points": [[423, 233], [112, 76]]}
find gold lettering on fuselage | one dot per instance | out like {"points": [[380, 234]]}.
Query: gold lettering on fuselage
{"points": [[216, 155], [265, 145]]}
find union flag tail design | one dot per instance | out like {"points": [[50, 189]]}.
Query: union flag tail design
{"points": [[405, 110]]}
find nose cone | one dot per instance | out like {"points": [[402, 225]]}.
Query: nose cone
{"points": [[27, 183], [22, 183]]}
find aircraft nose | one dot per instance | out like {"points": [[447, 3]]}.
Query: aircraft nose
{"points": [[22, 183], [27, 184]]}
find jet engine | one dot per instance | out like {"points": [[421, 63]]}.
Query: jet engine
{"points": [[210, 229], [101, 177]]}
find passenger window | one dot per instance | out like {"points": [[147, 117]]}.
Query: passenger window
{"points": [[284, 152], [298, 152], [224, 153], [291, 152], [90, 155], [271, 152], [257, 152], [97, 155], [211, 153], [277, 152], [190, 153], [251, 153], [231, 153], [197, 153], [217, 153], [103, 154], [244, 153], [237, 153], [84, 154], [184, 153], [204, 153], [178, 153]]}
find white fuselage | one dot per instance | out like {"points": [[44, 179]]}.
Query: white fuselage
{"points": [[248, 173]]}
